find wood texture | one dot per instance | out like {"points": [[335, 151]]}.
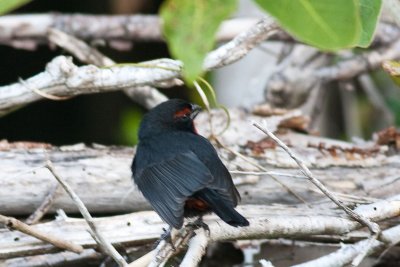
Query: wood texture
{"points": [[101, 175]]}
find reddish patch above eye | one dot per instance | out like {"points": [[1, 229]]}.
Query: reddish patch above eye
{"points": [[183, 112]]}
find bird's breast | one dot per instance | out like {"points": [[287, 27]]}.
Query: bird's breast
{"points": [[196, 204]]}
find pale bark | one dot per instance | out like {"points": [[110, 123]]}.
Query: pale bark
{"points": [[290, 85], [241, 45], [347, 253], [63, 79], [56, 259], [197, 248], [28, 31], [142, 227], [101, 175], [147, 96], [101, 241]]}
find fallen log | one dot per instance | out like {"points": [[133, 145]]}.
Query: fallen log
{"points": [[143, 227], [101, 175]]}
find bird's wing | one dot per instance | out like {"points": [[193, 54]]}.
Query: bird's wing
{"points": [[167, 184], [222, 183]]}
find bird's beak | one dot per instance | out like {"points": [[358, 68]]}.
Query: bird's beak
{"points": [[195, 111]]}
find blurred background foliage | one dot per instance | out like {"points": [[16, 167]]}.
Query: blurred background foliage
{"points": [[112, 118]]}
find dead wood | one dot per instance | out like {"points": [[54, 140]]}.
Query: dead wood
{"points": [[101, 175]]}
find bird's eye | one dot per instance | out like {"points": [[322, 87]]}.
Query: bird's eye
{"points": [[183, 113]]}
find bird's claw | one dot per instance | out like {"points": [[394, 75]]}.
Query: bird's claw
{"points": [[166, 236], [199, 224]]}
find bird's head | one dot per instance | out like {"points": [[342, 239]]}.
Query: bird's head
{"points": [[174, 114]]}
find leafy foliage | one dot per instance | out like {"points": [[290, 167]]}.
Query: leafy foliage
{"points": [[190, 28], [329, 25], [9, 5], [369, 14]]}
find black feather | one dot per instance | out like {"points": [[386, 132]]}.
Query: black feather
{"points": [[173, 163], [225, 211], [167, 184]]}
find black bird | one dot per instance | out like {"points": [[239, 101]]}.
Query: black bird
{"points": [[178, 171]]}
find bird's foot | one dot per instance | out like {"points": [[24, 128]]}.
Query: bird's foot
{"points": [[198, 224], [166, 236]]}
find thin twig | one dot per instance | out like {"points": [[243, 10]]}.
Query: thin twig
{"points": [[120, 30], [44, 206], [241, 44], [283, 221], [78, 48], [261, 168], [63, 78], [100, 239], [146, 96], [373, 227], [15, 224], [268, 173]]}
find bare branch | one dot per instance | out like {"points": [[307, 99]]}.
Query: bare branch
{"points": [[95, 171], [358, 64], [146, 96], [15, 224], [289, 86], [374, 228], [79, 49], [197, 248], [63, 78], [100, 239], [347, 253], [240, 45], [44, 206], [27, 31], [165, 250], [56, 259], [265, 222], [262, 169]]}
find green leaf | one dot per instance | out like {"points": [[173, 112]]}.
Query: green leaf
{"points": [[326, 24], [9, 5], [190, 27], [369, 14], [393, 68]]}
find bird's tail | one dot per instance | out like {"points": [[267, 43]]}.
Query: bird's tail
{"points": [[225, 211]]}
